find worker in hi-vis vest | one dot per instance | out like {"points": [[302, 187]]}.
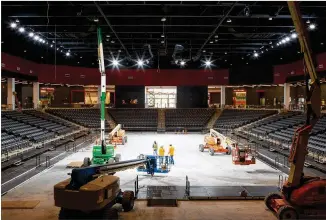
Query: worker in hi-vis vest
{"points": [[171, 153], [161, 152], [155, 148]]}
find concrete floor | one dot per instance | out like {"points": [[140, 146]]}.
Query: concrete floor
{"points": [[201, 168]]}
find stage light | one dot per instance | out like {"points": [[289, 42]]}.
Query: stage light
{"points": [[140, 63], [312, 26], [13, 25], [21, 29], [294, 35], [208, 63], [115, 63]]}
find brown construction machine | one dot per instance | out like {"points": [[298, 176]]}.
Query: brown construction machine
{"points": [[216, 143], [302, 196]]}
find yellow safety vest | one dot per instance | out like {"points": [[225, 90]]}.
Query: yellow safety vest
{"points": [[171, 151], [161, 151]]}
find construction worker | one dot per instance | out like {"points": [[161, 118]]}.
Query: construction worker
{"points": [[171, 153], [155, 148], [161, 152]]}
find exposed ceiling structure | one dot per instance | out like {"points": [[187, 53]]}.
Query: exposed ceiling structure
{"points": [[228, 33]]}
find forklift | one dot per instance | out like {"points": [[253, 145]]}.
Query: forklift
{"points": [[302, 196]]}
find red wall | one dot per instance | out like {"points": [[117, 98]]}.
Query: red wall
{"points": [[149, 77], [91, 76], [281, 72]]}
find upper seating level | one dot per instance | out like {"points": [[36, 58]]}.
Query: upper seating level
{"points": [[135, 119], [87, 117], [233, 118], [190, 119], [21, 129]]}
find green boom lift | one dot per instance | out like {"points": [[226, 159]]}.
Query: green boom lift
{"points": [[102, 153]]}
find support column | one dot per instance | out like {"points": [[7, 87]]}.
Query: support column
{"points": [[286, 95], [10, 93], [36, 94], [222, 96]]}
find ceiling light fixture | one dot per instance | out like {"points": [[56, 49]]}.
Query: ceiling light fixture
{"points": [[162, 35], [283, 41], [182, 63], [211, 42], [51, 45], [163, 19], [256, 54], [140, 63], [312, 26], [31, 34], [13, 25], [270, 18], [208, 63], [115, 63], [294, 35], [67, 54], [287, 39], [21, 29], [229, 20], [36, 37], [308, 21]]}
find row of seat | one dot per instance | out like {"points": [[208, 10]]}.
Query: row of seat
{"points": [[190, 119], [282, 128], [233, 118], [22, 129], [89, 118]]}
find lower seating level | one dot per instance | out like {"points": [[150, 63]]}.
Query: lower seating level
{"points": [[22, 129]]}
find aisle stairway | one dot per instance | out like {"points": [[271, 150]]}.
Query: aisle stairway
{"points": [[161, 120], [109, 119], [214, 118]]}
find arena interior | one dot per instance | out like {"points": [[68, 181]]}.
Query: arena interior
{"points": [[195, 75]]}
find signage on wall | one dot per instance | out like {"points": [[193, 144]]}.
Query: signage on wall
{"points": [[18, 68], [82, 76], [226, 77], [321, 66], [3, 65], [130, 77], [30, 71], [67, 75], [210, 77]]}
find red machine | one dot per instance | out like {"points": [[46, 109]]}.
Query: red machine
{"points": [[243, 155], [302, 196]]}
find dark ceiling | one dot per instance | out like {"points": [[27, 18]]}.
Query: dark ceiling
{"points": [[70, 24]]}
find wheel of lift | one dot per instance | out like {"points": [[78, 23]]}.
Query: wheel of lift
{"points": [[86, 162], [211, 152], [123, 141], [117, 158], [126, 139], [111, 160], [229, 150], [110, 213], [128, 200], [269, 198], [201, 148], [287, 212]]}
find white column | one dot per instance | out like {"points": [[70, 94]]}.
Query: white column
{"points": [[10, 93], [36, 94], [222, 96], [286, 95]]}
